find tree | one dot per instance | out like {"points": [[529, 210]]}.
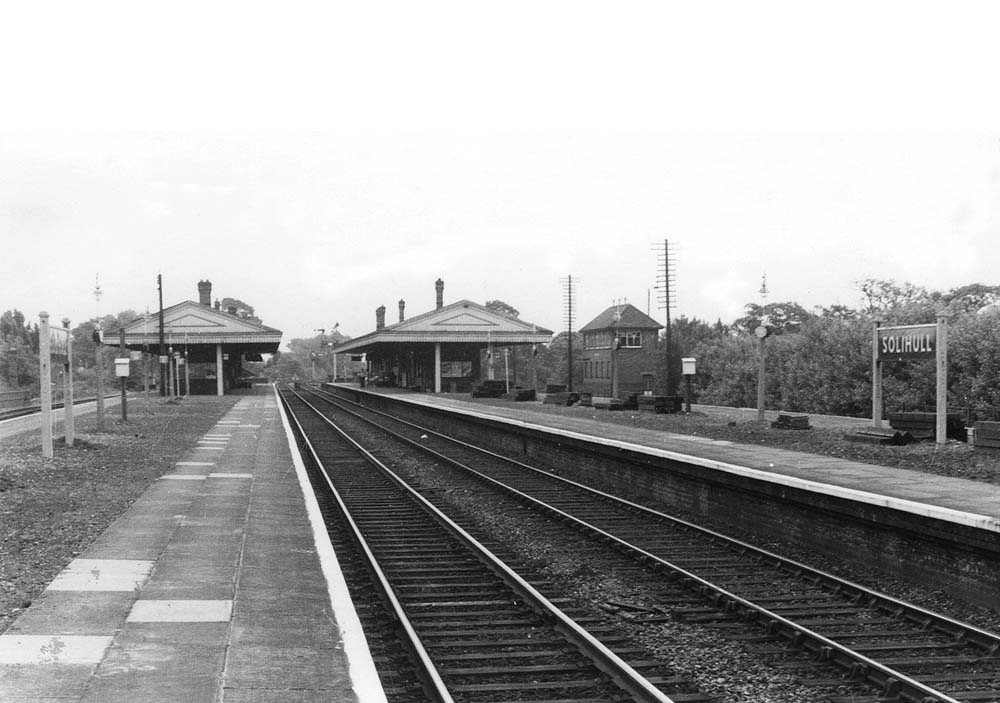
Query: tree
{"points": [[551, 361], [686, 335], [18, 351], [243, 310], [971, 298], [779, 317], [839, 312]]}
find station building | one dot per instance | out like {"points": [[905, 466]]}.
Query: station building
{"points": [[622, 341], [212, 342], [441, 350]]}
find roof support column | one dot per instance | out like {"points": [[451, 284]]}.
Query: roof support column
{"points": [[437, 367], [219, 384]]}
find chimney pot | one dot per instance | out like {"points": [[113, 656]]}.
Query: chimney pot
{"points": [[402, 307], [380, 317], [439, 289]]}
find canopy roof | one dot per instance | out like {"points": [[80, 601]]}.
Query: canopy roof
{"points": [[193, 323], [462, 322]]}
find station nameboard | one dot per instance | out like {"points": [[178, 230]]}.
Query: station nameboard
{"points": [[910, 342], [59, 342]]}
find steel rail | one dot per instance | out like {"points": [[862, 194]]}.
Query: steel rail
{"points": [[14, 413], [434, 686], [891, 681], [627, 678]]}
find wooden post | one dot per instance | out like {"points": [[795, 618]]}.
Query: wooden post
{"points": [[45, 383], [68, 424], [437, 367], [170, 372], [219, 384], [761, 381], [145, 358], [876, 377], [123, 352], [99, 375], [941, 355]]}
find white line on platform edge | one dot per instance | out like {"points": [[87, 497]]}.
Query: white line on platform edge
{"points": [[364, 676]]}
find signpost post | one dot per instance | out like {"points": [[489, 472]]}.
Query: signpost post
{"points": [[761, 332], [68, 426], [121, 369]]}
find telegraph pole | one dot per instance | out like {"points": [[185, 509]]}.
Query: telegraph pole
{"points": [[665, 284], [568, 299]]}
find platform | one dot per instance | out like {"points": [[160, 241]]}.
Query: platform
{"points": [[967, 502], [216, 585]]}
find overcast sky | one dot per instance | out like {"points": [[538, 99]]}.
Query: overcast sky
{"points": [[319, 160]]}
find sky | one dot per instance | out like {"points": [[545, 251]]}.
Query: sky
{"points": [[318, 160]]}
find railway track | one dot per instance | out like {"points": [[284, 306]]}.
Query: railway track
{"points": [[452, 620], [902, 651], [12, 413]]}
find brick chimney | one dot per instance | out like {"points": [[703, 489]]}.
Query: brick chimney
{"points": [[205, 293], [402, 307], [439, 289], [380, 317]]}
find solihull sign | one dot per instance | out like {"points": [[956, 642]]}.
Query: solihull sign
{"points": [[911, 342]]}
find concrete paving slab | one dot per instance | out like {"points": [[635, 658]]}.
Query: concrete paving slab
{"points": [[53, 649], [181, 611], [43, 683], [102, 575], [74, 613]]}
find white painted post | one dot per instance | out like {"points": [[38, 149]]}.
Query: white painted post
{"points": [[45, 383], [219, 386], [170, 372], [876, 377], [761, 382], [506, 367], [99, 368], [942, 379], [68, 425], [437, 367], [145, 358]]}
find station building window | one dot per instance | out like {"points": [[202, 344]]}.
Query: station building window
{"points": [[632, 339]]}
